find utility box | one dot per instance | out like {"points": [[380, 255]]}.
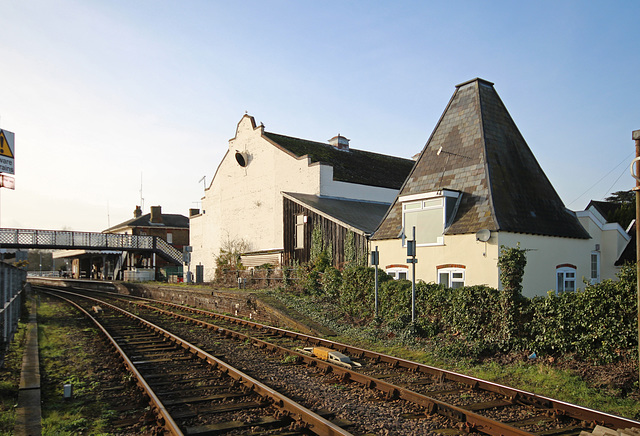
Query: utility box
{"points": [[67, 391]]}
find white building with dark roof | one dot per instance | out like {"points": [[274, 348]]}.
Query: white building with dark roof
{"points": [[245, 201], [476, 187]]}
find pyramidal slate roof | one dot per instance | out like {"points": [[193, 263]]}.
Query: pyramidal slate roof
{"points": [[477, 149], [353, 166]]}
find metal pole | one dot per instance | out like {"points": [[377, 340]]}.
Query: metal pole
{"points": [[413, 281], [376, 281], [636, 137]]}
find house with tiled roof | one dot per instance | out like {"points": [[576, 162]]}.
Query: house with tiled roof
{"points": [[477, 186], [270, 191], [132, 264]]}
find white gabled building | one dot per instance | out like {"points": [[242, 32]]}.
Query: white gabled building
{"points": [[244, 201]]}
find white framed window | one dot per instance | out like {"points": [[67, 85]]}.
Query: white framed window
{"points": [[430, 214], [300, 220], [170, 238], [451, 276], [565, 278], [398, 272], [595, 267]]}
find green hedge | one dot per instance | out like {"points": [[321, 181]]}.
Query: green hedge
{"points": [[598, 323]]}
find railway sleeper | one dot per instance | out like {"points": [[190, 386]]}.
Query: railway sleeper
{"points": [[222, 427], [194, 412], [487, 405], [190, 400]]}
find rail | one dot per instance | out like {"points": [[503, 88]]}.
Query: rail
{"points": [[69, 240]]}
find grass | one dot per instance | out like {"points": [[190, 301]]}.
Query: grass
{"points": [[64, 359], [10, 380], [556, 383]]}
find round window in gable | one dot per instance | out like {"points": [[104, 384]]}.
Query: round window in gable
{"points": [[242, 159]]}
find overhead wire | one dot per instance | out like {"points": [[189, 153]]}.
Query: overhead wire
{"points": [[601, 179], [616, 181]]}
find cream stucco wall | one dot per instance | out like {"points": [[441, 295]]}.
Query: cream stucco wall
{"points": [[544, 254], [479, 258]]}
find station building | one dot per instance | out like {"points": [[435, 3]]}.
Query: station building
{"points": [[270, 191], [477, 187]]}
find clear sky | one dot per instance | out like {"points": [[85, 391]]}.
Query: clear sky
{"points": [[107, 96]]}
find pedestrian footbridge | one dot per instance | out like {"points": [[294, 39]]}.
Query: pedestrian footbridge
{"points": [[71, 240]]}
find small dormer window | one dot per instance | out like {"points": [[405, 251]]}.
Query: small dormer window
{"points": [[430, 213]]}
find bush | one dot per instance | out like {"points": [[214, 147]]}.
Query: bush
{"points": [[331, 282], [598, 324]]}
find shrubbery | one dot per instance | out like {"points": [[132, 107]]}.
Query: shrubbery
{"points": [[598, 323]]}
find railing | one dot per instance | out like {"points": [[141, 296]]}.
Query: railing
{"points": [[11, 293], [64, 239], [169, 250]]}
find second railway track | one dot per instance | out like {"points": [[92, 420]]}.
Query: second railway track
{"points": [[422, 399], [192, 391]]}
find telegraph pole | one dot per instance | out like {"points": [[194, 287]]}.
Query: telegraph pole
{"points": [[636, 137]]}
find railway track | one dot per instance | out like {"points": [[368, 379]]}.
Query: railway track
{"points": [[191, 391], [463, 403]]}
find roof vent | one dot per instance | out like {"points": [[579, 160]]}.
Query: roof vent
{"points": [[340, 142]]}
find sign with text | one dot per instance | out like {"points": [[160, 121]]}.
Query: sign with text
{"points": [[7, 152]]}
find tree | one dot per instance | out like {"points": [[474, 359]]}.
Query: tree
{"points": [[230, 252], [625, 211]]}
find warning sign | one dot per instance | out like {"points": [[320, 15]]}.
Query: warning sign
{"points": [[7, 152]]}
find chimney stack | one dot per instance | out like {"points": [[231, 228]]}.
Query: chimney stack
{"points": [[156, 214], [340, 142], [193, 212], [138, 212]]}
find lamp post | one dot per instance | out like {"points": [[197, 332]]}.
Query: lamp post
{"points": [[375, 261], [636, 137]]}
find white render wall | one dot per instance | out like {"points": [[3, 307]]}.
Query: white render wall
{"points": [[246, 203], [611, 237], [332, 188]]}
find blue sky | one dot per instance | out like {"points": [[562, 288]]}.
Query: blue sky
{"points": [[106, 96]]}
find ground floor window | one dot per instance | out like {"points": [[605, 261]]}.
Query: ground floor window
{"points": [[398, 272], [595, 267], [565, 278], [451, 276], [300, 220]]}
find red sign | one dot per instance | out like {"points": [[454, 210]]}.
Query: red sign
{"points": [[7, 182]]}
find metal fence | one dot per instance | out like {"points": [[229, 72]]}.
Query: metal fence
{"points": [[12, 281]]}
